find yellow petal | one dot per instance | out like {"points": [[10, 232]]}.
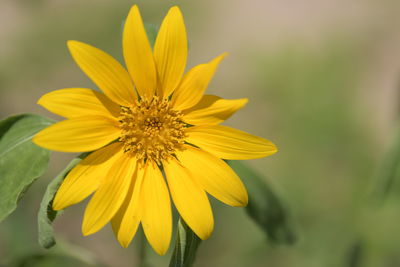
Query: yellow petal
{"points": [[126, 221], [78, 102], [85, 178], [107, 73], [111, 194], [212, 110], [78, 134], [228, 143], [215, 176], [157, 218], [170, 51], [138, 55], [194, 84], [190, 199]]}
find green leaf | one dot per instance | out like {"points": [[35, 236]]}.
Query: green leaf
{"points": [[46, 214], [21, 161], [186, 246], [265, 207]]}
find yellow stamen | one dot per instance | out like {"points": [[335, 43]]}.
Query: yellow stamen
{"points": [[151, 130]]}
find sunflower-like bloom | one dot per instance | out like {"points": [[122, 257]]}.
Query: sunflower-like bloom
{"points": [[154, 135]]}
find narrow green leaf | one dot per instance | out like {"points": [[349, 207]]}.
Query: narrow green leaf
{"points": [[21, 161], [186, 246], [46, 214], [265, 207]]}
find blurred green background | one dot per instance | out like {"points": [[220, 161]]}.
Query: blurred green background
{"points": [[322, 78]]}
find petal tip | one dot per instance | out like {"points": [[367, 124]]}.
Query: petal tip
{"points": [[72, 43], [219, 58], [73, 47], [76, 46], [134, 11], [242, 102], [223, 55], [124, 243], [269, 148], [37, 140], [86, 230], [161, 250], [57, 205], [243, 202], [162, 253], [205, 235], [40, 101], [274, 149], [205, 232], [123, 239], [243, 199], [176, 10]]}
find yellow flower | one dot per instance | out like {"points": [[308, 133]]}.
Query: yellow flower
{"points": [[149, 122]]}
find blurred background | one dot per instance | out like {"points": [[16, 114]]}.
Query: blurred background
{"points": [[323, 80]]}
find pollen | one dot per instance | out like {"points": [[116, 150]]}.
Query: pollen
{"points": [[151, 130]]}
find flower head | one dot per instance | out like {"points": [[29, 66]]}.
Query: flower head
{"points": [[153, 133]]}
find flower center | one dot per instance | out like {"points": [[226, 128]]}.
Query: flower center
{"points": [[151, 130]]}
